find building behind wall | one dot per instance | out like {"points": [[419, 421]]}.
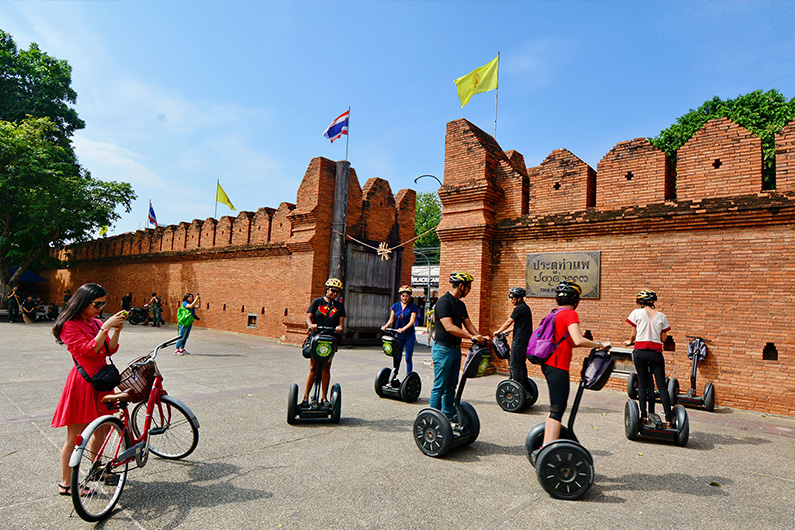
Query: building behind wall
{"points": [[717, 248], [256, 272]]}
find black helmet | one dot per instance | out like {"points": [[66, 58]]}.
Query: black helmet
{"points": [[460, 277], [568, 293], [517, 292]]}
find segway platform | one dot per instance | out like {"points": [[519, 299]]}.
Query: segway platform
{"points": [[323, 345], [697, 351]]}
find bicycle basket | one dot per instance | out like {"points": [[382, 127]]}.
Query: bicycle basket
{"points": [[137, 379]]}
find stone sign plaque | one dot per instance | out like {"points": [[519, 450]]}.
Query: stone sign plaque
{"points": [[545, 270]]}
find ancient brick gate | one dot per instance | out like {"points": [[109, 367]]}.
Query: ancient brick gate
{"points": [[371, 286]]}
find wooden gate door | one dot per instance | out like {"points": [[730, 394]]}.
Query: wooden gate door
{"points": [[370, 289]]}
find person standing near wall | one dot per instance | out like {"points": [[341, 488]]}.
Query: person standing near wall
{"points": [[521, 321], [126, 301], [185, 317], [649, 330], [13, 304], [404, 314], [556, 368], [156, 309], [451, 325]]}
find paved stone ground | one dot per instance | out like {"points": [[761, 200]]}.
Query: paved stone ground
{"points": [[252, 470]]}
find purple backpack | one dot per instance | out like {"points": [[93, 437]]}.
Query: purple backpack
{"points": [[542, 342]]}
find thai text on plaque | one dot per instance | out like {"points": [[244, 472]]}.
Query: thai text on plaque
{"points": [[545, 270]]}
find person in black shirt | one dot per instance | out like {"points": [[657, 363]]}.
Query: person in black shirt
{"points": [[325, 311], [126, 301], [452, 324], [13, 304], [521, 320]]}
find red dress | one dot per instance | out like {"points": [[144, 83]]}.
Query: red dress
{"points": [[79, 402]]}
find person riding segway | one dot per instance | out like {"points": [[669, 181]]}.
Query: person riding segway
{"points": [[395, 341], [325, 319], [519, 391]]}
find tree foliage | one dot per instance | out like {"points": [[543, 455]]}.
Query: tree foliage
{"points": [[46, 197], [762, 113], [427, 216]]}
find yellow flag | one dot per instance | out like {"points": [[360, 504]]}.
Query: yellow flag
{"points": [[479, 80], [221, 197], [103, 230]]}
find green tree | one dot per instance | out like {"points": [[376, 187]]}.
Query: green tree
{"points": [[34, 84], [762, 113], [428, 215], [46, 198]]}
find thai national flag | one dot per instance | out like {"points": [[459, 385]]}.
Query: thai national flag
{"points": [[338, 127], [152, 218]]}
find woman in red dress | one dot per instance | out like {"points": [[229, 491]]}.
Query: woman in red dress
{"points": [[89, 341]]}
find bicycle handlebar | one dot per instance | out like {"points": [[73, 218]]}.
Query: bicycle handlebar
{"points": [[162, 345]]}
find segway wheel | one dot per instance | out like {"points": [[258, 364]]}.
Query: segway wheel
{"points": [[292, 404], [534, 440], [433, 433], [682, 426], [471, 421], [632, 386], [336, 403], [565, 470], [709, 397], [380, 380], [673, 390], [510, 396], [631, 420], [411, 387], [531, 393]]}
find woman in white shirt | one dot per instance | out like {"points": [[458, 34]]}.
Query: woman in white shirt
{"points": [[649, 329]]}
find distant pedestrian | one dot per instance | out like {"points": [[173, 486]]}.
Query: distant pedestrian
{"points": [[29, 310], [126, 301], [13, 304], [154, 303], [185, 317]]}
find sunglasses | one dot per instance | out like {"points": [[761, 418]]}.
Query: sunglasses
{"points": [[335, 291], [99, 305]]}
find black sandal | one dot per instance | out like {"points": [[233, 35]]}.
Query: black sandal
{"points": [[64, 490]]}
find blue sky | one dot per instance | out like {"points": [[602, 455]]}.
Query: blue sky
{"points": [[177, 94]]}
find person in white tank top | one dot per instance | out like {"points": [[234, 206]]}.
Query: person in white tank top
{"points": [[649, 330]]}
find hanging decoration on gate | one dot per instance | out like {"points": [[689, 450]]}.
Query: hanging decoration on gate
{"points": [[383, 250]]}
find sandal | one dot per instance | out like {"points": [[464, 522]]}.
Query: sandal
{"points": [[64, 490]]}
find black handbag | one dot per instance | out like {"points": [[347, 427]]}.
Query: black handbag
{"points": [[105, 380], [306, 349]]}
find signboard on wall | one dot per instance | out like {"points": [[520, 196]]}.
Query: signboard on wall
{"points": [[545, 270]]}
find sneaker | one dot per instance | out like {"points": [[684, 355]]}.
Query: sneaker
{"points": [[179, 352], [457, 427], [304, 404], [185, 352], [395, 383], [327, 403]]}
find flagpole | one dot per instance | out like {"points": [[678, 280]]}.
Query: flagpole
{"points": [[217, 183], [496, 94], [147, 214], [348, 136]]}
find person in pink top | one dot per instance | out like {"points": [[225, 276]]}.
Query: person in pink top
{"points": [[90, 342], [649, 329]]}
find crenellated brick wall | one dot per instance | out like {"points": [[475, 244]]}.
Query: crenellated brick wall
{"points": [[718, 252], [267, 264]]}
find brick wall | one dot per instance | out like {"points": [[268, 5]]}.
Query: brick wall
{"points": [[263, 266], [719, 263], [785, 158]]}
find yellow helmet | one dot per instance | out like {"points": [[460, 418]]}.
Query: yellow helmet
{"points": [[334, 283], [461, 277], [405, 289], [646, 295]]}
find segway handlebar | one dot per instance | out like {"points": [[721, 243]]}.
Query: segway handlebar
{"points": [[694, 337]]}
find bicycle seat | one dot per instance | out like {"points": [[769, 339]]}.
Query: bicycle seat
{"points": [[113, 398]]}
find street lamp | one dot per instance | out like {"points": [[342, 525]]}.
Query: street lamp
{"points": [[428, 292], [432, 176]]}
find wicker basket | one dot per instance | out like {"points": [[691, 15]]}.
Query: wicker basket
{"points": [[137, 379]]}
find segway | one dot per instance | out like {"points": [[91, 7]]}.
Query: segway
{"points": [[322, 347], [697, 350], [564, 467], [512, 396], [433, 433], [387, 383], [657, 429]]}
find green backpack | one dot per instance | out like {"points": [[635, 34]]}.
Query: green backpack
{"points": [[184, 316]]}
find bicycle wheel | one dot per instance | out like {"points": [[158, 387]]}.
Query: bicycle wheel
{"points": [[96, 482], [174, 433]]}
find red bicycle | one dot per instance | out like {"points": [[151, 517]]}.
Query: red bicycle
{"points": [[104, 450]]}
